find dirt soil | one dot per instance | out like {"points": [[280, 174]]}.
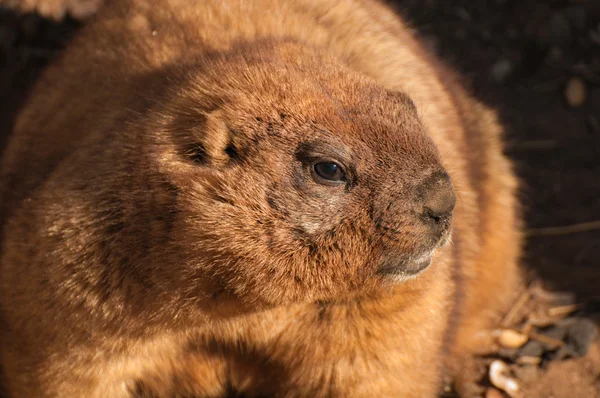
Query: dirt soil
{"points": [[538, 63]]}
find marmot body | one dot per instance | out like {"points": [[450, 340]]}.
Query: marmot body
{"points": [[211, 196]]}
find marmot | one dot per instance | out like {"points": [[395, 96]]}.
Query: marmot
{"points": [[264, 197]]}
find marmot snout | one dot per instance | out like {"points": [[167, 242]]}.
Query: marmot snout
{"points": [[312, 172]]}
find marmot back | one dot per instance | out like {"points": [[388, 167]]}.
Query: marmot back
{"points": [[276, 198]]}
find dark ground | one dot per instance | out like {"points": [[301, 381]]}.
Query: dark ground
{"points": [[517, 56]]}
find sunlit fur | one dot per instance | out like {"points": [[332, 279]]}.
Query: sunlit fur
{"points": [[163, 234]]}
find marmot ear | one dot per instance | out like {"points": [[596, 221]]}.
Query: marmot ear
{"points": [[403, 104], [209, 141]]}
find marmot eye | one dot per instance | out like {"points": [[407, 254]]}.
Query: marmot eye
{"points": [[329, 171]]}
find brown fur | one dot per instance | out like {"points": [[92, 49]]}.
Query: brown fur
{"points": [[163, 236]]}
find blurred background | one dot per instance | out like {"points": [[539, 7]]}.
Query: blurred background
{"points": [[536, 61]]}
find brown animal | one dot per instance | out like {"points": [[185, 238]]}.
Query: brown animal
{"points": [[253, 196]]}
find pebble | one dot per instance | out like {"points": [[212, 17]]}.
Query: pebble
{"points": [[555, 55], [509, 338], [575, 92], [581, 334], [531, 349], [501, 69], [527, 374], [557, 332], [463, 14]]}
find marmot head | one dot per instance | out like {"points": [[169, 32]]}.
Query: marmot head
{"points": [[296, 178]]}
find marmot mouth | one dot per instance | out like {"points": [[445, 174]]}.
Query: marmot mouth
{"points": [[401, 269]]}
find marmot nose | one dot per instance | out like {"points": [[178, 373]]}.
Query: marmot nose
{"points": [[438, 198]]}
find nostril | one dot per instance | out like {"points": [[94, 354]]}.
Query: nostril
{"points": [[437, 217], [440, 205], [439, 198]]}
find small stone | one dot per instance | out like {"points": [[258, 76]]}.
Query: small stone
{"points": [[532, 349], [493, 393], [501, 70], [555, 55], [509, 338], [463, 14], [557, 332], [581, 335], [575, 92], [527, 374]]}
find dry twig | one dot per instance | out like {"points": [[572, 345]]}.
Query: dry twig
{"points": [[564, 230], [511, 315], [563, 310], [546, 340]]}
